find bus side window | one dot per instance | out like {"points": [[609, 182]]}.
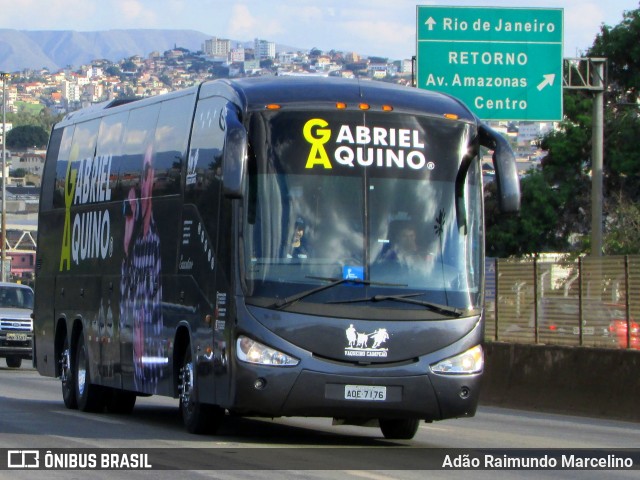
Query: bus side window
{"points": [[170, 144], [62, 164], [76, 156], [51, 196], [110, 139], [83, 145], [139, 135], [203, 183]]}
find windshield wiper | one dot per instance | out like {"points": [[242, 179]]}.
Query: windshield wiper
{"points": [[406, 298], [285, 302]]}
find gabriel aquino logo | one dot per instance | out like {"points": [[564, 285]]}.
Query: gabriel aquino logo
{"points": [[357, 145], [87, 233], [362, 344]]}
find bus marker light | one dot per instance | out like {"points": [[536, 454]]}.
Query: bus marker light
{"points": [[387, 108], [451, 116], [272, 106], [364, 106], [341, 105]]}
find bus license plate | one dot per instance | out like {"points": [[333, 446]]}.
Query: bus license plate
{"points": [[18, 337], [365, 392]]}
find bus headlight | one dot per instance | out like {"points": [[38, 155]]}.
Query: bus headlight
{"points": [[471, 361], [250, 351]]}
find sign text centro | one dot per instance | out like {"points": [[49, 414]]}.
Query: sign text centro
{"points": [[503, 63]]}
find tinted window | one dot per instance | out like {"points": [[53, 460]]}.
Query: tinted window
{"points": [[62, 165], [16, 297], [170, 145], [204, 171], [207, 142], [138, 141], [83, 145], [81, 157], [48, 181], [110, 140]]}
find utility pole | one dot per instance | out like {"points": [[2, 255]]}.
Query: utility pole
{"points": [[589, 74], [3, 273]]}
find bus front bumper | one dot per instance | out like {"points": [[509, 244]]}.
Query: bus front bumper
{"points": [[276, 392]]}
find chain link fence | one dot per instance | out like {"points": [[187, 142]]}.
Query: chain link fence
{"points": [[591, 302]]}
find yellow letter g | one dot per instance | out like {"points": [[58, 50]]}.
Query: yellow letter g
{"points": [[317, 137]]}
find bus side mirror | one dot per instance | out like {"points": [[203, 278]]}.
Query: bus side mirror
{"points": [[234, 159], [504, 162]]}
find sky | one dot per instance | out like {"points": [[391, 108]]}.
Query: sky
{"points": [[385, 28]]}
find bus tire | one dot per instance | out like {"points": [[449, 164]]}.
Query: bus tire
{"points": [[399, 428], [13, 361], [67, 378], [198, 418], [89, 397], [120, 401]]}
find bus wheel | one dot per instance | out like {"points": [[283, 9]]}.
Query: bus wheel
{"points": [[399, 429], [14, 362], [89, 397], [67, 378], [198, 418], [120, 401]]}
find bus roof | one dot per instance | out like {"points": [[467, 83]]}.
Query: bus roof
{"points": [[256, 92], [112, 106]]}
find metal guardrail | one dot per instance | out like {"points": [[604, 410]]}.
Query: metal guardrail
{"points": [[591, 302]]}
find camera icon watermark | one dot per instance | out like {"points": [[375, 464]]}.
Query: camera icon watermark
{"points": [[23, 459]]}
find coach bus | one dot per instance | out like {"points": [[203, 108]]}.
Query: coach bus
{"points": [[269, 247]]}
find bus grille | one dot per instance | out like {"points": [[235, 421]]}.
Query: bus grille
{"points": [[15, 325]]}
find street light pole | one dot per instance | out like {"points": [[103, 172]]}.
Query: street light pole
{"points": [[3, 272]]}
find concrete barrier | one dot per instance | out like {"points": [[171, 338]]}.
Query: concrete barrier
{"points": [[569, 380]]}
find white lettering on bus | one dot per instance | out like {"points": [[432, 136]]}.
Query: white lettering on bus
{"points": [[91, 236], [92, 183], [380, 157], [365, 146], [88, 236], [379, 136]]}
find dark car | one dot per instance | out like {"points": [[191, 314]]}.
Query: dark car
{"points": [[16, 324]]}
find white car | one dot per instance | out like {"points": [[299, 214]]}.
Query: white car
{"points": [[16, 324]]}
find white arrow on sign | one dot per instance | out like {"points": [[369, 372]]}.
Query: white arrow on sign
{"points": [[430, 23], [549, 78]]}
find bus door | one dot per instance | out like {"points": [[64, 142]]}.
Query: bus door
{"points": [[204, 249]]}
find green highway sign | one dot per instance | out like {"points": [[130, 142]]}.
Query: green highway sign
{"points": [[504, 63]]}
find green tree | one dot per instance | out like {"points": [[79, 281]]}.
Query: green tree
{"points": [[113, 70], [620, 46], [566, 169], [528, 232], [44, 119], [26, 136], [622, 235]]}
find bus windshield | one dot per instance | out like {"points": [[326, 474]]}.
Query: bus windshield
{"points": [[384, 199]]}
